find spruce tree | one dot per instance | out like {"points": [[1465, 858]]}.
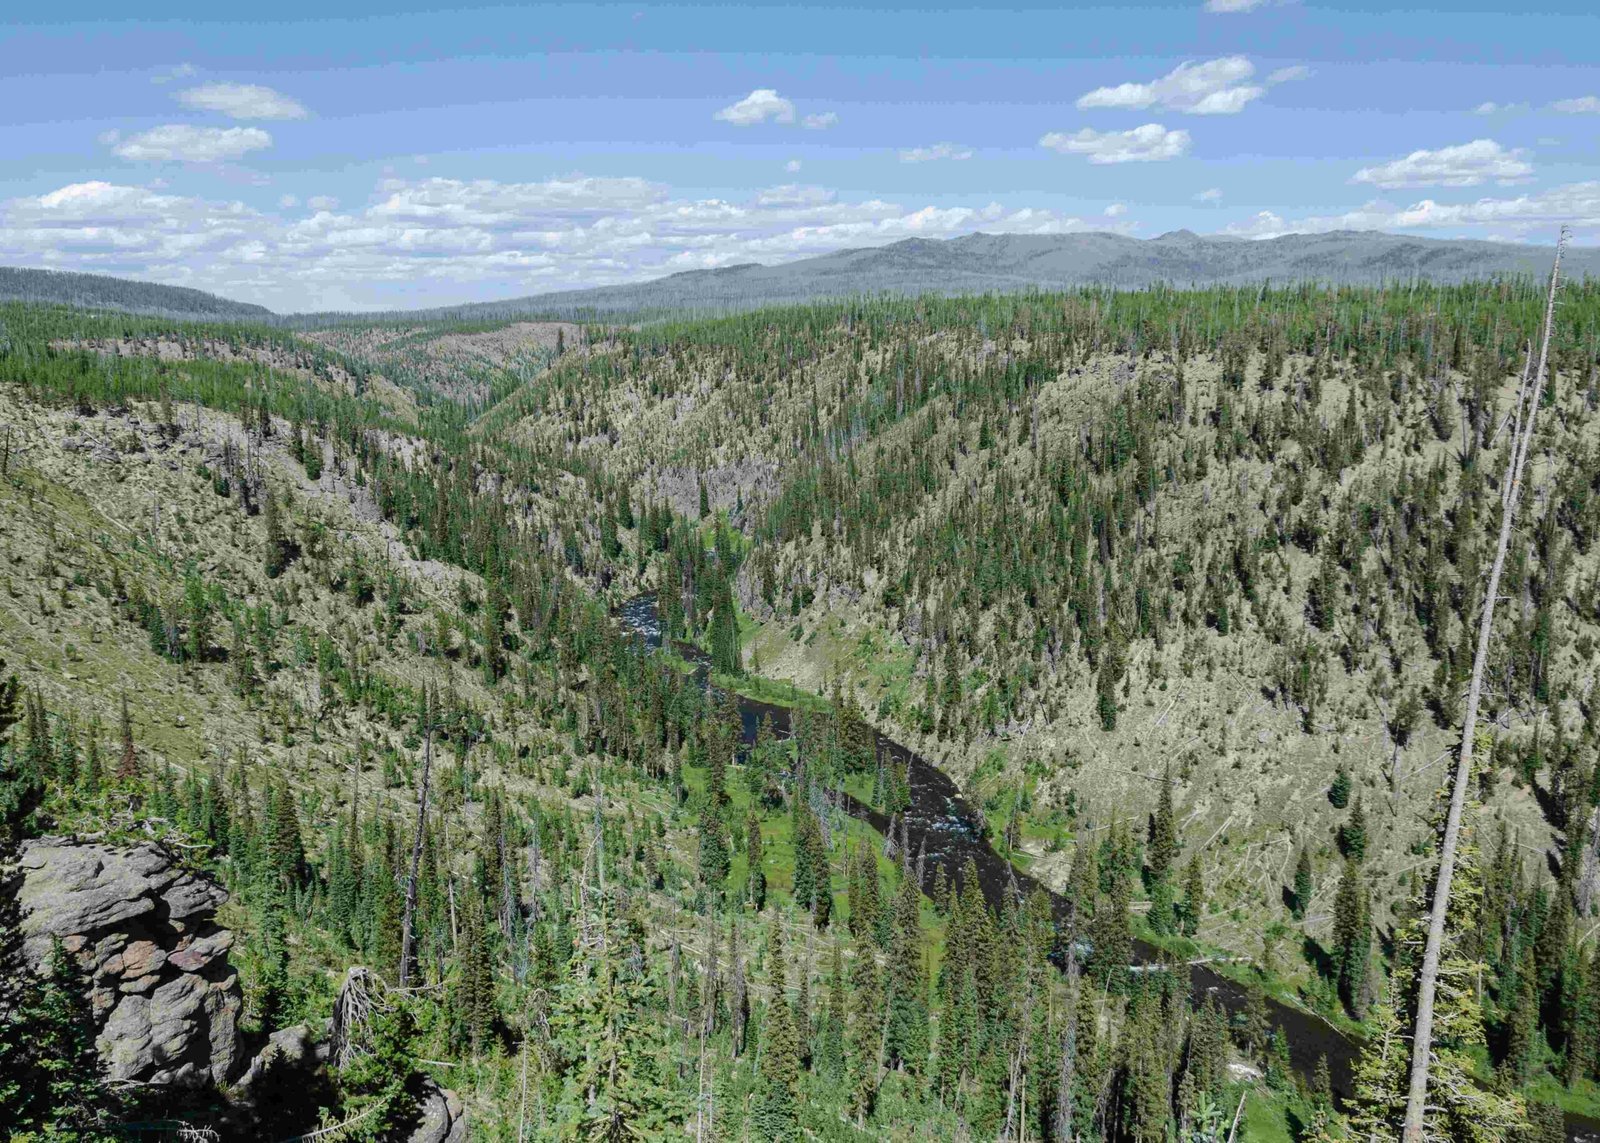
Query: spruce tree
{"points": [[907, 1036], [1303, 888], [775, 1111], [866, 1029], [1163, 848], [1352, 934], [756, 877]]}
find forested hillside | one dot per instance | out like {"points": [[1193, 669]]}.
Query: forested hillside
{"points": [[1181, 587], [102, 291]]}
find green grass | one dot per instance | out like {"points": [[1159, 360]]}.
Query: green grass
{"points": [[772, 691]]}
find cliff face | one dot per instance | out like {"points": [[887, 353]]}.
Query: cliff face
{"points": [[165, 998]]}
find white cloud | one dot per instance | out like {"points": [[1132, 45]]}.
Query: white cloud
{"points": [[1490, 107], [322, 202], [792, 166], [179, 71], [242, 101], [759, 106], [287, 202], [1115, 210], [820, 122], [936, 152], [1289, 74], [462, 238], [1583, 105], [1210, 194], [1215, 87], [1234, 5], [1149, 143], [182, 142], [1464, 165], [1535, 215]]}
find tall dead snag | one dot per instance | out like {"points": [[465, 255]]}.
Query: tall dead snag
{"points": [[406, 938], [1427, 981]]}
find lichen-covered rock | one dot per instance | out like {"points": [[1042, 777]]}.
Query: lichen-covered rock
{"points": [[144, 932], [440, 1117]]}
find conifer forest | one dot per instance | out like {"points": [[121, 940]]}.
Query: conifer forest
{"points": [[1135, 716]]}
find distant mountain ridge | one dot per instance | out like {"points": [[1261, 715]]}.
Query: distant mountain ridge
{"points": [[974, 263], [100, 291], [1001, 263]]}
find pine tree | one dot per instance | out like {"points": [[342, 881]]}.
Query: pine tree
{"points": [[472, 1002], [1163, 848], [128, 759], [1339, 791], [1111, 671], [50, 1086], [775, 1111], [1302, 884], [831, 1047], [1352, 934], [907, 1036], [1353, 834], [756, 877], [1112, 935], [714, 862], [1459, 1109], [1194, 897], [866, 1029], [278, 550]]}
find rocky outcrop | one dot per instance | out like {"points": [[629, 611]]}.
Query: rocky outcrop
{"points": [[143, 930], [440, 1116]]}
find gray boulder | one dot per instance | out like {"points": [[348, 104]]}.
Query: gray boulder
{"points": [[440, 1116], [143, 930]]}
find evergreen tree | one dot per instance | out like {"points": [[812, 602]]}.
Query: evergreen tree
{"points": [[756, 877], [866, 1029], [1339, 791], [775, 1111], [907, 1035], [1303, 888], [1194, 897], [1163, 848], [1352, 934]]}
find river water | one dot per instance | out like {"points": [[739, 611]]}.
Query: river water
{"points": [[940, 822]]}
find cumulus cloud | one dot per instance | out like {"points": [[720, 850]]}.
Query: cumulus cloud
{"points": [[1225, 6], [1215, 87], [322, 202], [1526, 215], [1583, 105], [820, 122], [792, 166], [1149, 143], [1289, 74], [242, 101], [760, 106], [1464, 165], [183, 142], [1116, 210], [178, 71], [287, 202], [1210, 194], [935, 152], [1490, 107], [469, 238]]}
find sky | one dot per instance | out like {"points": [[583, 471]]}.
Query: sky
{"points": [[333, 155]]}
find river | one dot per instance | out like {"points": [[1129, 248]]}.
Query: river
{"points": [[941, 823]]}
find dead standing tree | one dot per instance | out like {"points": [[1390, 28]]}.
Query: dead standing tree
{"points": [[1525, 413], [429, 701]]}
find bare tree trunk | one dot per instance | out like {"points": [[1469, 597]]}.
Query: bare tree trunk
{"points": [[416, 844], [1067, 1075], [1427, 980]]}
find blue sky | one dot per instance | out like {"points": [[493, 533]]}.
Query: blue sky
{"points": [[344, 156]]}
